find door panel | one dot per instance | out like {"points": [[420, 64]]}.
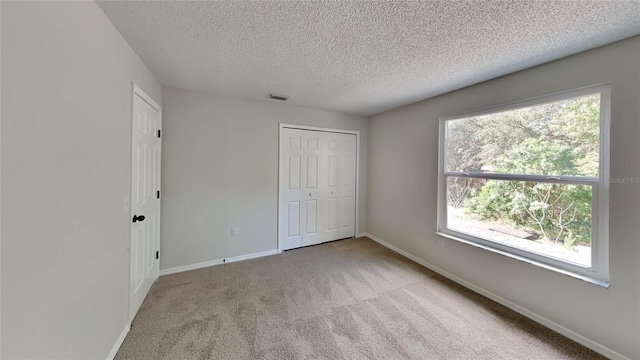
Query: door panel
{"points": [[295, 142], [314, 202], [294, 219], [145, 181], [312, 171], [138, 275], [291, 157], [311, 218], [332, 191], [294, 171], [346, 170], [333, 214], [347, 186], [312, 141], [332, 171], [346, 211]]}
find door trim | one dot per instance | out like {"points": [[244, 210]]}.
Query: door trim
{"points": [[322, 129], [143, 95], [136, 90]]}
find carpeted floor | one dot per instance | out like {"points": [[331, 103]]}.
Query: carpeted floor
{"points": [[349, 299]]}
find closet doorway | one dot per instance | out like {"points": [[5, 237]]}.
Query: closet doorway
{"points": [[317, 187]]}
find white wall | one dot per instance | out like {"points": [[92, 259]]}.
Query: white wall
{"points": [[403, 155], [66, 109], [220, 170]]}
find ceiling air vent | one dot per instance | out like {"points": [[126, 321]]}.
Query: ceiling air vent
{"points": [[278, 96]]}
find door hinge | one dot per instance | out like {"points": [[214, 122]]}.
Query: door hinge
{"points": [[159, 133], [158, 194], [157, 255]]}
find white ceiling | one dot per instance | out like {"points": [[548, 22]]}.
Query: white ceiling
{"points": [[359, 57]]}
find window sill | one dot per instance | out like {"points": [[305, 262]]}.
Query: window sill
{"points": [[604, 284]]}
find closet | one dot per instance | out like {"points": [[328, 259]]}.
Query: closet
{"points": [[317, 186]]}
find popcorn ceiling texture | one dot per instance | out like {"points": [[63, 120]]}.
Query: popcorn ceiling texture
{"points": [[359, 57]]}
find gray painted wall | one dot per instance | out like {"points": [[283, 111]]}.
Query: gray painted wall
{"points": [[403, 156], [220, 170], [66, 110]]}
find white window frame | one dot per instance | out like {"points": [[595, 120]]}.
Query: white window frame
{"points": [[598, 272]]}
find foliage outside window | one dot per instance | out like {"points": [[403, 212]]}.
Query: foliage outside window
{"points": [[529, 180]]}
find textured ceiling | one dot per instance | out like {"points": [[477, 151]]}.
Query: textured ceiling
{"points": [[359, 57]]}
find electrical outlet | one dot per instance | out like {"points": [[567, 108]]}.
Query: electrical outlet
{"points": [[234, 231]]}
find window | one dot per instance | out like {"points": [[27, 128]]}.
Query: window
{"points": [[530, 180]]}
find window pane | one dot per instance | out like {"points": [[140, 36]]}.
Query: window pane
{"points": [[549, 219], [558, 138]]}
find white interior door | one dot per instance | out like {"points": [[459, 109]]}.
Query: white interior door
{"points": [[313, 188], [145, 198], [347, 189], [290, 189], [332, 190], [316, 187], [301, 203]]}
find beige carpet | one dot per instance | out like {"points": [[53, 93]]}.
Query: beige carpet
{"points": [[350, 299]]}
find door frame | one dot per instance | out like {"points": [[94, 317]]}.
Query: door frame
{"points": [[137, 91], [322, 129]]}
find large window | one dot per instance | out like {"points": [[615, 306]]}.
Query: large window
{"points": [[530, 180]]}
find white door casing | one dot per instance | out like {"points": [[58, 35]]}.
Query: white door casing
{"points": [[145, 197], [317, 186]]}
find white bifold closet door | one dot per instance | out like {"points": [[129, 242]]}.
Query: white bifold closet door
{"points": [[317, 187]]}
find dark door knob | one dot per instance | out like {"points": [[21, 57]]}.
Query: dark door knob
{"points": [[138, 218]]}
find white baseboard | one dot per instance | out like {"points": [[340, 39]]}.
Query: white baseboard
{"points": [[116, 346], [601, 349], [362, 234], [216, 262]]}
